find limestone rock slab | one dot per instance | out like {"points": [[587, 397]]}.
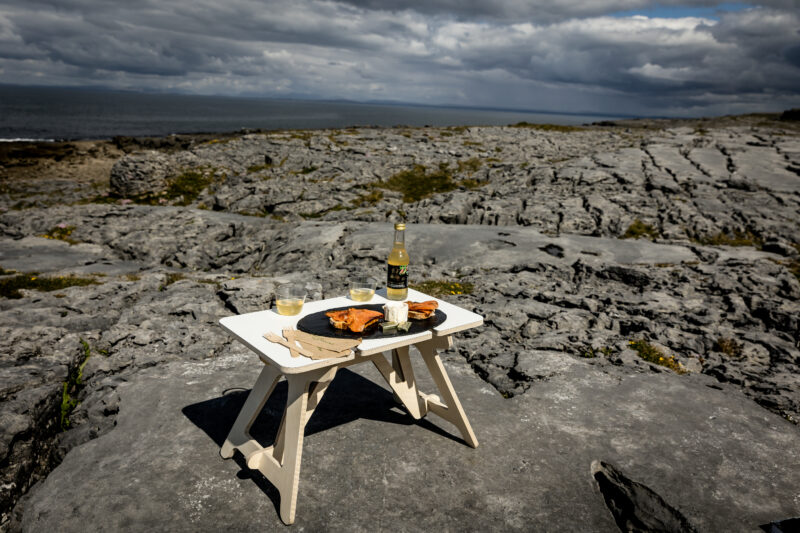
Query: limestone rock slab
{"points": [[367, 467]]}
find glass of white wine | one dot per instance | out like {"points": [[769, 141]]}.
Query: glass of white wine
{"points": [[289, 299], [362, 288]]}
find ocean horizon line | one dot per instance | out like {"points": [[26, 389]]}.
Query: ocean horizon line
{"points": [[45, 113], [309, 98]]}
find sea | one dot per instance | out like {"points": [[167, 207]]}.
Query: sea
{"points": [[53, 114]]}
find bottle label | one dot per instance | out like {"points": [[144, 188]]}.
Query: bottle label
{"points": [[398, 277]]}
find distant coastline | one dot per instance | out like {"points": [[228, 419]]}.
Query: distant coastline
{"points": [[33, 113], [27, 140]]}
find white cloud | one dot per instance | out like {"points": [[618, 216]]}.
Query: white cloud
{"points": [[657, 71]]}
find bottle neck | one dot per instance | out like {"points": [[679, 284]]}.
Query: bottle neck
{"points": [[399, 238]]}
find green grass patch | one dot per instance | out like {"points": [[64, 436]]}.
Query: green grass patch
{"points": [[252, 169], [472, 143], [10, 287], [729, 347], [470, 165], [651, 354], [401, 214], [186, 187], [737, 238], [417, 183], [247, 213], [368, 199], [72, 386], [439, 288], [213, 282], [302, 135], [61, 232], [794, 268], [341, 142], [171, 278], [472, 183], [182, 189], [547, 127], [593, 352], [639, 229]]}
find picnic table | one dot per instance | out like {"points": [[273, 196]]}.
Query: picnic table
{"points": [[308, 379]]}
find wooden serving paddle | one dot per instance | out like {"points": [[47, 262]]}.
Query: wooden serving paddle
{"points": [[327, 343], [312, 346]]}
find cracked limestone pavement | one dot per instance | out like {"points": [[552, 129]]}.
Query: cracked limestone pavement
{"points": [[532, 225]]}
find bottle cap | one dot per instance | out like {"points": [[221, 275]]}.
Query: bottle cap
{"points": [[400, 226]]}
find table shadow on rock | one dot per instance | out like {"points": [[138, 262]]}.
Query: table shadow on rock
{"points": [[349, 397]]}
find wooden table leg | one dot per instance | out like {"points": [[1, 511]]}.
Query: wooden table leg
{"points": [[401, 379], [316, 389], [450, 409], [288, 478], [279, 463], [239, 436]]}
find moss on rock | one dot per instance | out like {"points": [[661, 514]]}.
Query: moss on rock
{"points": [[654, 355], [10, 287], [639, 229], [440, 288]]}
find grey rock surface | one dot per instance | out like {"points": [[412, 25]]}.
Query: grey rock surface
{"points": [[368, 467], [687, 184], [529, 238], [32, 254]]}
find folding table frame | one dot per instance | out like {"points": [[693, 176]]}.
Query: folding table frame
{"points": [[308, 380]]}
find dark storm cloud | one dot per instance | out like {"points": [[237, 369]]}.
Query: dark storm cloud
{"points": [[548, 55], [744, 52]]}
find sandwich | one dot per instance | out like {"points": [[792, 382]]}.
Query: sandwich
{"points": [[356, 320], [422, 310]]}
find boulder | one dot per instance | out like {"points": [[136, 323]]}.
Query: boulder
{"points": [[140, 173]]}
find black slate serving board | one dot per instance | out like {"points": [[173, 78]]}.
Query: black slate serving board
{"points": [[319, 324]]}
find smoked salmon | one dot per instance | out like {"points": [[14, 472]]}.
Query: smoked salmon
{"points": [[356, 320]]}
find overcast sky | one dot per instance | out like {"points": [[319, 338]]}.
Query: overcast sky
{"points": [[612, 56]]}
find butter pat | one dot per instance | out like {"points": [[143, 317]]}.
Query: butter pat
{"points": [[396, 312]]}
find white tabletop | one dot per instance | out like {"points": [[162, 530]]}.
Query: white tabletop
{"points": [[250, 328]]}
